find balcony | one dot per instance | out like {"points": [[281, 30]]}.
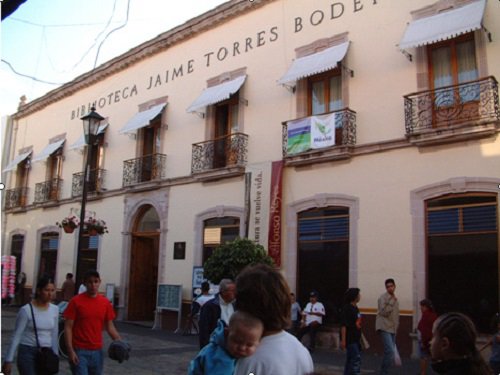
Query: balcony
{"points": [[220, 157], [47, 191], [96, 182], [453, 113], [144, 169], [313, 142], [16, 198]]}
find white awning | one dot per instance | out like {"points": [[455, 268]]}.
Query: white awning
{"points": [[442, 26], [142, 119], [80, 142], [48, 150], [18, 159], [316, 63], [216, 94]]}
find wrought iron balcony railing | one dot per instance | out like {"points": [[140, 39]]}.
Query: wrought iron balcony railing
{"points": [[16, 198], [48, 190], [467, 104], [227, 151], [299, 135], [144, 169], [96, 182]]}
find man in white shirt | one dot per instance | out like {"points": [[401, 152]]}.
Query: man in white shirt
{"points": [[312, 318], [219, 307]]}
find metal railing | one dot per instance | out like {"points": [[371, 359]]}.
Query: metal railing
{"points": [[468, 103], [16, 198], [48, 190], [144, 169], [345, 130], [227, 151], [96, 182]]}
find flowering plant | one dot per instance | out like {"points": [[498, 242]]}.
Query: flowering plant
{"points": [[70, 221], [96, 225]]}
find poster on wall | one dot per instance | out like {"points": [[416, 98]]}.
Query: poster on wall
{"points": [[312, 132], [256, 207]]}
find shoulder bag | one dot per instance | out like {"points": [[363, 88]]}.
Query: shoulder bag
{"points": [[47, 362]]}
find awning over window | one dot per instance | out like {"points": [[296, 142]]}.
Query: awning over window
{"points": [[80, 143], [316, 63], [142, 119], [18, 159], [216, 94], [442, 26], [48, 150]]}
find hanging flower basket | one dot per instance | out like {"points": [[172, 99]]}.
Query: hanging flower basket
{"points": [[95, 227], [68, 224]]}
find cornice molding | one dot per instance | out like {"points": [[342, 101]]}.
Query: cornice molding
{"points": [[206, 21]]}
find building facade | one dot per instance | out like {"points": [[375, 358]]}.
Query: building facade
{"points": [[356, 140]]}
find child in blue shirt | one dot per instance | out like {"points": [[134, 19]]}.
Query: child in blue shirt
{"points": [[227, 344]]}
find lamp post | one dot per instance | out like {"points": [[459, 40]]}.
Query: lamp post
{"points": [[91, 123]]}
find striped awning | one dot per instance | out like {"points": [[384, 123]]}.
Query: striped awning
{"points": [[142, 119], [314, 64], [80, 142], [18, 159], [216, 94], [442, 26], [48, 150]]}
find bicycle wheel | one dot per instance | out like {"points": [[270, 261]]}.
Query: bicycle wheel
{"points": [[61, 343]]}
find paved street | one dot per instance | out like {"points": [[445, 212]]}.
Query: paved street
{"points": [[160, 352]]}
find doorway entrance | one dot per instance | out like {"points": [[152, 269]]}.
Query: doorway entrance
{"points": [[143, 280]]}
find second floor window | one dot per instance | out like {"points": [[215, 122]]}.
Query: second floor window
{"points": [[453, 62], [325, 93]]}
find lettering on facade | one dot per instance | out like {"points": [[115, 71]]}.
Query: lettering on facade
{"points": [[219, 54]]}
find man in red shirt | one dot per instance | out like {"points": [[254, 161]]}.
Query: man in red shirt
{"points": [[85, 317]]}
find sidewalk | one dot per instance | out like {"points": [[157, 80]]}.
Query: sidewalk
{"points": [[161, 352]]}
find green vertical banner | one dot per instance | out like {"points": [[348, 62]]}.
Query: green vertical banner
{"points": [[299, 136]]}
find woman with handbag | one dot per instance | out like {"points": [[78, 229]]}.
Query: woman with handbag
{"points": [[36, 329]]}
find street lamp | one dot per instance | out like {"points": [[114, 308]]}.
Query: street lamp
{"points": [[91, 123]]}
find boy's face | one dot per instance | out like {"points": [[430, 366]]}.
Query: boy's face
{"points": [[391, 288], [242, 341], [92, 284]]}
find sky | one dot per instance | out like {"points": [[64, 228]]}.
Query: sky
{"points": [[55, 41]]}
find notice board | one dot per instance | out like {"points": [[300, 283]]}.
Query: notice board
{"points": [[169, 297]]}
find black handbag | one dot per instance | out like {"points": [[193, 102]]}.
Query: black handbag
{"points": [[47, 362]]}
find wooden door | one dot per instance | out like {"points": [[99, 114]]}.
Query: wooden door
{"points": [[143, 278]]}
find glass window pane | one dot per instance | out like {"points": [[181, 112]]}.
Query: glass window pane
{"points": [[466, 56], [318, 98], [335, 94], [443, 221], [441, 65], [149, 222], [234, 118], [467, 71]]}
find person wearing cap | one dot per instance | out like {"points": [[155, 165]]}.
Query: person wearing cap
{"points": [[312, 318]]}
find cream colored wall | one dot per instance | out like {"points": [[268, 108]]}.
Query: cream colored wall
{"points": [[185, 203], [382, 182], [382, 76], [38, 221]]}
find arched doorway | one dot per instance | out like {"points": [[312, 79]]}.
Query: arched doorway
{"points": [[144, 254]]}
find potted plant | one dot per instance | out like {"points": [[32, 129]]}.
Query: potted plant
{"points": [[96, 226], [68, 224]]}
